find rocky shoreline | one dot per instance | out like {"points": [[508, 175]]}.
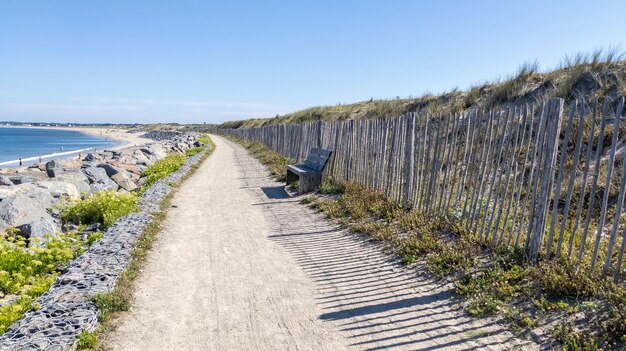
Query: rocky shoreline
{"points": [[27, 193], [65, 310]]}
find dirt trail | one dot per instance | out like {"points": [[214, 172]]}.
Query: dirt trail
{"points": [[240, 265]]}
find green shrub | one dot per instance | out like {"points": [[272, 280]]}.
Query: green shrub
{"points": [[103, 207], [163, 168], [86, 340], [451, 259], [567, 280], [308, 200], [110, 302], [205, 139], [329, 186], [573, 339], [377, 230], [28, 272], [330, 207], [93, 237], [194, 151]]}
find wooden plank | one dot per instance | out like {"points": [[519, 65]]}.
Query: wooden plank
{"points": [[451, 166], [488, 166], [426, 144], [620, 200], [511, 165], [572, 178], [474, 163], [445, 147], [483, 166], [433, 170], [549, 157], [560, 170], [583, 183], [467, 152], [497, 172], [535, 171], [517, 191], [408, 161], [594, 181]]}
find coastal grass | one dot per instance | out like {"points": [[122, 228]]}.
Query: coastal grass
{"points": [[601, 72], [591, 310], [111, 304]]}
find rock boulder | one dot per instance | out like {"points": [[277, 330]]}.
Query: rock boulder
{"points": [[124, 181], [38, 228], [99, 180], [5, 181], [59, 189]]}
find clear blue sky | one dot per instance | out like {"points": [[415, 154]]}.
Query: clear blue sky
{"points": [[211, 61]]}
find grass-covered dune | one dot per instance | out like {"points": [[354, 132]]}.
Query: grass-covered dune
{"points": [[601, 73]]}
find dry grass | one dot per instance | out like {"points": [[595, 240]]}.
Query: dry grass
{"points": [[599, 73]]}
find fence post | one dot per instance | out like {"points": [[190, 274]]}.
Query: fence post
{"points": [[408, 159], [546, 166], [320, 133]]}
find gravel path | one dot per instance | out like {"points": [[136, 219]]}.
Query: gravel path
{"points": [[240, 265]]}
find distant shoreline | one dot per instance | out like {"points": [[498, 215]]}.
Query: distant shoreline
{"points": [[121, 138], [125, 139]]}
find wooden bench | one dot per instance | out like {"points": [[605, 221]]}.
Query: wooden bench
{"points": [[309, 173]]}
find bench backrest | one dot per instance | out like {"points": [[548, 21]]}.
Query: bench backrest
{"points": [[317, 159]]}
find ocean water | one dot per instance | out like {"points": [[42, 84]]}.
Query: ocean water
{"points": [[31, 143]]}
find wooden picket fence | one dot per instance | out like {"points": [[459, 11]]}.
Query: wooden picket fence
{"points": [[547, 178]]}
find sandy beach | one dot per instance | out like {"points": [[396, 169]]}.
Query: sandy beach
{"points": [[121, 136], [124, 138]]}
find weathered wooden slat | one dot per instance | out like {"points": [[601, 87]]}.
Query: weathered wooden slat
{"points": [[620, 200], [409, 156], [560, 171], [547, 161], [572, 179], [467, 154], [487, 141], [520, 119], [594, 182], [516, 192], [486, 175], [497, 172], [449, 178]]}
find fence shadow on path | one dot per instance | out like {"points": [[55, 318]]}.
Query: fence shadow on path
{"points": [[365, 293]]}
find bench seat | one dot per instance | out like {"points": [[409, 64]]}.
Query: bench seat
{"points": [[299, 169], [310, 173]]}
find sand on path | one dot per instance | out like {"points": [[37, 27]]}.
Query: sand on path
{"points": [[241, 265]]}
